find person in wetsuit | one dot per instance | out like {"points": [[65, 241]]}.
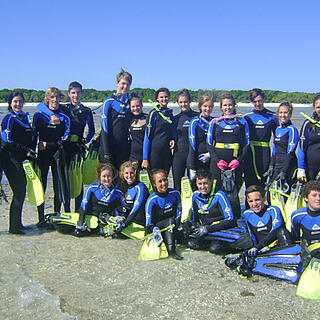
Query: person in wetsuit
{"points": [[17, 146], [137, 130], [286, 138], [211, 211], [163, 208], [101, 199], [309, 145], [262, 123], [115, 122], [305, 222], [159, 135], [50, 137], [198, 155], [181, 123], [264, 222]]}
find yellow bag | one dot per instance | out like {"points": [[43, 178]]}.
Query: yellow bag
{"points": [[134, 231], [151, 251]]}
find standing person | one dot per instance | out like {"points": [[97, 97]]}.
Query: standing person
{"points": [[115, 122], [228, 144], [198, 156], [80, 118], [50, 137], [262, 123], [181, 123], [309, 146], [286, 138], [163, 208], [17, 145], [137, 130], [159, 135]]}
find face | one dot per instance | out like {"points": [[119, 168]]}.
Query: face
{"points": [[204, 185], [284, 114], [184, 103], [54, 101], [258, 103], [106, 177], [317, 107], [206, 108], [75, 95], [255, 201], [135, 107], [17, 104], [161, 182], [129, 175], [163, 99], [313, 200], [123, 86], [227, 107]]}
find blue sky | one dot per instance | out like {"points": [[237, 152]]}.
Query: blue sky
{"points": [[193, 44]]}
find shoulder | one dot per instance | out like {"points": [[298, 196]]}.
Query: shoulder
{"points": [[174, 192], [299, 214]]}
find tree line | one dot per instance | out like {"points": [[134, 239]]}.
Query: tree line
{"points": [[93, 95]]}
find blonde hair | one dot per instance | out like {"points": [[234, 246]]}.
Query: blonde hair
{"points": [[204, 98], [50, 92]]}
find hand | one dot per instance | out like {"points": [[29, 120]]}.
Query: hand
{"points": [[222, 165], [172, 144], [253, 252], [204, 157], [157, 237], [192, 174], [42, 145], [55, 119], [233, 164], [301, 175], [107, 158], [82, 226], [200, 232], [145, 164], [31, 154]]}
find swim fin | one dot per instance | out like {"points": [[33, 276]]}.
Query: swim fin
{"points": [[34, 186], [186, 199], [151, 251], [134, 231], [276, 194], [75, 175], [90, 165], [144, 177], [309, 283]]}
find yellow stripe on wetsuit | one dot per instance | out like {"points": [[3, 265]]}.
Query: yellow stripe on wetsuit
{"points": [[234, 146], [257, 144]]}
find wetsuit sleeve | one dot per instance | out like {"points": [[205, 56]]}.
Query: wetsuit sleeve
{"points": [[303, 144], [84, 204], [178, 214], [90, 124], [149, 206], [292, 145], [295, 222], [193, 154], [151, 118], [277, 222], [246, 143], [194, 208], [66, 134], [104, 135], [228, 219], [210, 142]]}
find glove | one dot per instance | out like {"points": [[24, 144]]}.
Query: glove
{"points": [[107, 158], [157, 237], [120, 223], [204, 157], [301, 175], [222, 165], [82, 226], [199, 232], [253, 252], [192, 174], [269, 173], [233, 164], [31, 154], [186, 228]]}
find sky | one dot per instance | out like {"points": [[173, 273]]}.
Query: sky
{"points": [[177, 44]]}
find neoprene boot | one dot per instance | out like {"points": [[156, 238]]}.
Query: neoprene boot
{"points": [[283, 237], [171, 247]]}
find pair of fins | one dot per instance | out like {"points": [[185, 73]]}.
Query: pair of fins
{"points": [[75, 174], [90, 165], [34, 185], [277, 193]]}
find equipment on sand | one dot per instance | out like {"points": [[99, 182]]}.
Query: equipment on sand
{"points": [[90, 164], [186, 199], [75, 175]]}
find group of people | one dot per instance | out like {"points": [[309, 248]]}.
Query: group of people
{"points": [[218, 154]]}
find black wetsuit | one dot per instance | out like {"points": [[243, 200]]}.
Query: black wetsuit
{"points": [[179, 164], [54, 135], [159, 132], [16, 134]]}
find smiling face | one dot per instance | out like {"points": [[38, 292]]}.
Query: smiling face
{"points": [[284, 114], [75, 95], [123, 86], [129, 175], [206, 108], [54, 100], [227, 107], [204, 185], [106, 177], [184, 103], [258, 103], [255, 201], [163, 99], [313, 200], [160, 182], [135, 107], [317, 107], [17, 103]]}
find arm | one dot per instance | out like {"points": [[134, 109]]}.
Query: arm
{"points": [[90, 124], [292, 145], [210, 142], [104, 135], [193, 154]]}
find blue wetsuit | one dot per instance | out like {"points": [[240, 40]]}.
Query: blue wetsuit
{"points": [[284, 160], [158, 134], [264, 226], [136, 198], [181, 122], [309, 148], [261, 125], [54, 135], [198, 142], [17, 139], [114, 137]]}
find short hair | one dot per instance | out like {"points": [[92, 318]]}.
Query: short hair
{"points": [[153, 172], [105, 166], [74, 84], [204, 174], [204, 98], [312, 185], [135, 97], [124, 75], [161, 90], [255, 188], [255, 93], [184, 93], [315, 99], [285, 104], [13, 94], [49, 92]]}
